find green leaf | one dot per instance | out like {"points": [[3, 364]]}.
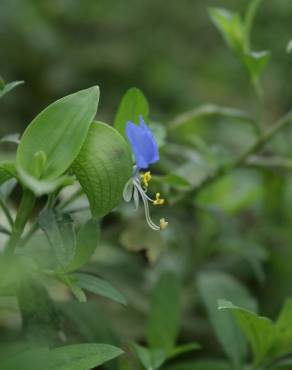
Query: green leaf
{"points": [[5, 88], [82, 356], [213, 286], [87, 239], [7, 171], [284, 330], [183, 348], [256, 63], [60, 234], [268, 340], [103, 167], [165, 312], [59, 131], [99, 286], [249, 18], [258, 329], [151, 359], [231, 27], [41, 187], [201, 365], [133, 105]]}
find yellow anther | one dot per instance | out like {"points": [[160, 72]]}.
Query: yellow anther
{"points": [[163, 223], [158, 201], [146, 177]]}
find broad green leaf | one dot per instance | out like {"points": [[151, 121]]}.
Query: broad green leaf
{"points": [[5, 88], [99, 286], [82, 356], [256, 62], [41, 187], [165, 312], [259, 330], [7, 171], [86, 242], [59, 131], [60, 234], [213, 286], [231, 28], [103, 167], [151, 359], [283, 327], [133, 105]]}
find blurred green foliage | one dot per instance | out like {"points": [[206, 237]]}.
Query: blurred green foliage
{"points": [[227, 239]]}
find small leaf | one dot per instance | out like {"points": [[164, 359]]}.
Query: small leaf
{"points": [[86, 243], [150, 359], [60, 235], [5, 88], [82, 356], [133, 105], [165, 311], [256, 63], [99, 286], [59, 131], [231, 28], [103, 167]]}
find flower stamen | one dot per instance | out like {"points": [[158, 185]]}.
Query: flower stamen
{"points": [[158, 201], [146, 177]]}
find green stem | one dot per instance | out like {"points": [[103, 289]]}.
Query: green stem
{"points": [[260, 142], [24, 211], [6, 212]]}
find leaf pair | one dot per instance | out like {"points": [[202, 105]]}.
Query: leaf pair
{"points": [[268, 340], [64, 136]]}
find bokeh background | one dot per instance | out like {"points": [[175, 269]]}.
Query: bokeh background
{"points": [[168, 49]]}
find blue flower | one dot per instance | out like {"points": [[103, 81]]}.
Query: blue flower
{"points": [[143, 143]]}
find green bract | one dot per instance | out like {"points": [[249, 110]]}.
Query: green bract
{"points": [[133, 105], [58, 132], [103, 167]]}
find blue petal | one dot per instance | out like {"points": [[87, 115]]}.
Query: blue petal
{"points": [[143, 143]]}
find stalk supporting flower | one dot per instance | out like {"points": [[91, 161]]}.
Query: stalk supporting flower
{"points": [[145, 150]]}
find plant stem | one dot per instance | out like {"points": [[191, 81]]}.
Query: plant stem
{"points": [[6, 212], [259, 143], [24, 211]]}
